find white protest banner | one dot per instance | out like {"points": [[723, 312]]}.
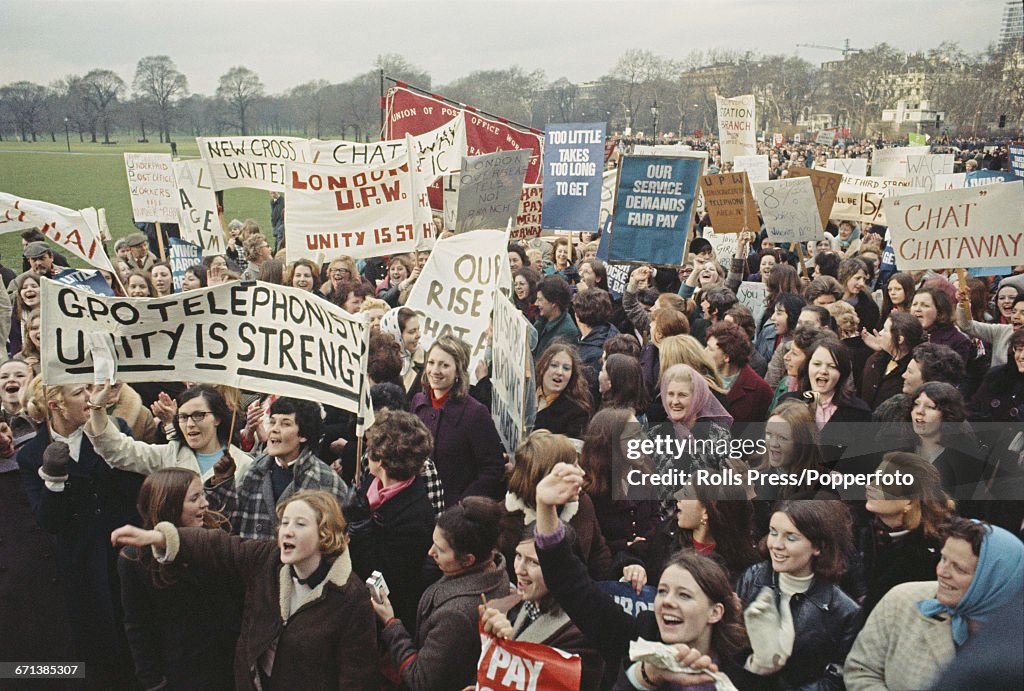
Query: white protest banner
{"points": [[966, 228], [183, 255], [489, 189], [252, 161], [789, 209], [922, 169], [439, 151], [527, 225], [826, 187], [455, 291], [264, 337], [607, 195], [851, 166], [510, 347], [860, 198], [661, 149], [450, 197], [75, 231], [756, 167], [151, 187], [736, 127], [825, 137], [952, 181], [334, 210], [198, 220], [754, 296], [725, 245], [887, 163]]}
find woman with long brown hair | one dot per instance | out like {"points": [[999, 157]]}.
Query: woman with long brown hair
{"points": [[182, 633], [563, 399]]}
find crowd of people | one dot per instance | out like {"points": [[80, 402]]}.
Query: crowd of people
{"points": [[190, 535]]}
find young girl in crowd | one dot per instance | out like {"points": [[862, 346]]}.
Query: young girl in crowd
{"points": [[182, 629], [898, 295], [307, 621], [563, 401]]}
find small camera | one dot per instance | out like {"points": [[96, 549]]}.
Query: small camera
{"points": [[378, 587]]}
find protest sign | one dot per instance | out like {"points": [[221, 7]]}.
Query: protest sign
{"points": [[455, 291], [89, 280], [198, 219], [754, 296], [509, 348], [953, 181], [980, 178], [527, 225], [860, 198], [334, 210], [826, 187], [489, 189], [627, 598], [264, 337], [661, 149], [825, 137], [151, 187], [654, 210], [75, 231], [728, 198], [736, 127], [412, 113], [438, 152], [778, 139], [851, 166], [756, 167], [893, 162], [450, 199], [789, 209], [917, 139], [1017, 159], [958, 228], [507, 665], [183, 255], [725, 245], [572, 176], [922, 169], [252, 161], [608, 179]]}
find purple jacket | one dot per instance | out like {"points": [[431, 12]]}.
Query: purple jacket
{"points": [[467, 449], [949, 336]]}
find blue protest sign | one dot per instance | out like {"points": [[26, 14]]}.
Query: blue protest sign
{"points": [[86, 279], [183, 255], [977, 178], [1017, 159], [573, 164], [626, 597], [654, 209]]}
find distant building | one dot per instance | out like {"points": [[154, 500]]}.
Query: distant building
{"points": [[1012, 32]]}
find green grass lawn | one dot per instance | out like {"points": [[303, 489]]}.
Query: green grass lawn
{"points": [[94, 175]]}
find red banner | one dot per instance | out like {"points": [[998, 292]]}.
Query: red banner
{"points": [[517, 666], [412, 113]]}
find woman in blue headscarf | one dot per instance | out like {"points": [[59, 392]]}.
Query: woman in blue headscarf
{"points": [[917, 628]]}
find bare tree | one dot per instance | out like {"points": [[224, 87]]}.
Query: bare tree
{"points": [[24, 102], [510, 93], [102, 88], [158, 80], [240, 88]]}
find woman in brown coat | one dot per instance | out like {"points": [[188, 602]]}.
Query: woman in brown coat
{"points": [[307, 622]]}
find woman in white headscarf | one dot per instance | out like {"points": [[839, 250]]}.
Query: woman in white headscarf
{"points": [[403, 324]]}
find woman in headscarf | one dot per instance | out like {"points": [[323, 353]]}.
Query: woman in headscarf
{"points": [[404, 326], [917, 628]]}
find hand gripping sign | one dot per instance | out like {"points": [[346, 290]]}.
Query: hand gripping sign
{"points": [[519, 666]]}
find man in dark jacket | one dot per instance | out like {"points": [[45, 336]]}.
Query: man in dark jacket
{"points": [[593, 309], [553, 296]]}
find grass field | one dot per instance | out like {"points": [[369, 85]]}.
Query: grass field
{"points": [[94, 175]]}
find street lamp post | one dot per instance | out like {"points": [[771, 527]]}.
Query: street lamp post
{"points": [[654, 114], [67, 135]]}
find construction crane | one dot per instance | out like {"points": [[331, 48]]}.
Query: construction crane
{"points": [[846, 50]]}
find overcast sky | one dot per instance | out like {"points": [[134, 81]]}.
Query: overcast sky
{"points": [[289, 42]]}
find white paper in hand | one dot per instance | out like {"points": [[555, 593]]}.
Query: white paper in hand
{"points": [[664, 656], [104, 357]]}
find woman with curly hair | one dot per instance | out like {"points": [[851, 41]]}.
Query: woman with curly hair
{"points": [[563, 400], [182, 631], [302, 274]]}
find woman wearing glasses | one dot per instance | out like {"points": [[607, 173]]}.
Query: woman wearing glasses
{"points": [[199, 440]]}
